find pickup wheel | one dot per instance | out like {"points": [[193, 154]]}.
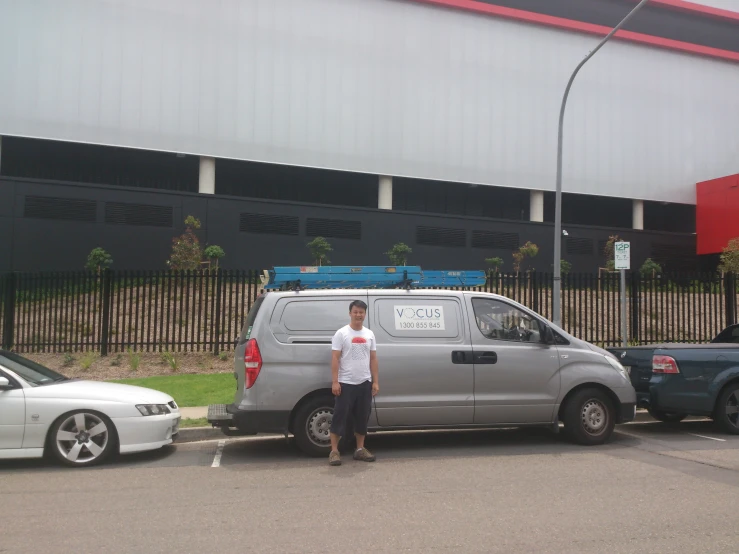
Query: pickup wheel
{"points": [[726, 414], [666, 417], [589, 417]]}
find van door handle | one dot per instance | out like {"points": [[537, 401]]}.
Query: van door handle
{"points": [[486, 358], [461, 357]]}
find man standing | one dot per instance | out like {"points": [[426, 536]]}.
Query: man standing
{"points": [[354, 381]]}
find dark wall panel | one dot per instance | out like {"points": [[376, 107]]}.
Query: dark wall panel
{"points": [[6, 247], [445, 241]]}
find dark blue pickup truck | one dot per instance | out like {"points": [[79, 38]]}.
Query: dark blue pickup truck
{"points": [[701, 380], [638, 362]]}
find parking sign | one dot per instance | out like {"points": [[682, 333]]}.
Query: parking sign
{"points": [[622, 253]]}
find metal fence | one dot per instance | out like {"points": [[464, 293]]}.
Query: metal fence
{"points": [[204, 311]]}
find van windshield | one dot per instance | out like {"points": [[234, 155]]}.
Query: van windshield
{"points": [[250, 318]]}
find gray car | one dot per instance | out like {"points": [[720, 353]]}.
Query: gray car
{"points": [[447, 360]]}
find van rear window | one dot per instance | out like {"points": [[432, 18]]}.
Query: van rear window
{"points": [[250, 318]]}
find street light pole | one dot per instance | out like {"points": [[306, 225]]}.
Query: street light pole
{"points": [[556, 293]]}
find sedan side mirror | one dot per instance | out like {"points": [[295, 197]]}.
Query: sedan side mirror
{"points": [[5, 384]]}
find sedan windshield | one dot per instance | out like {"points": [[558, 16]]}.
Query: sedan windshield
{"points": [[31, 372]]}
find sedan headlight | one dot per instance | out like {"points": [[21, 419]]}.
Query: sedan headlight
{"points": [[153, 409], [618, 367]]}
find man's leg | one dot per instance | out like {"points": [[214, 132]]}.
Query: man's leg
{"points": [[335, 441], [362, 410], [342, 405]]}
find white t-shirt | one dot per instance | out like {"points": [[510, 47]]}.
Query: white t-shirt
{"points": [[355, 347]]}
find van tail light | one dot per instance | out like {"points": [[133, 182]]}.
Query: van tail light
{"points": [[252, 363], [664, 364]]}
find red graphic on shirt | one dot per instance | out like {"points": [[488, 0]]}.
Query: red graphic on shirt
{"points": [[360, 348]]}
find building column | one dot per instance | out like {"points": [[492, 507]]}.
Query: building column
{"points": [[637, 214], [207, 181], [385, 193], [536, 206]]}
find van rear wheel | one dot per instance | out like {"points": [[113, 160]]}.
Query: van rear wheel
{"points": [[589, 417], [312, 428]]}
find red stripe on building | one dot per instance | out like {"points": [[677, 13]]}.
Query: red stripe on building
{"points": [[588, 28]]}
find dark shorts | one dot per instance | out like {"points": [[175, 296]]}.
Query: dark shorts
{"points": [[355, 404]]}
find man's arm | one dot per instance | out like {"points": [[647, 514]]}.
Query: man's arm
{"points": [[373, 371], [335, 386]]}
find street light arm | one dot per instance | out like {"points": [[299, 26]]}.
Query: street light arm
{"points": [[556, 291]]}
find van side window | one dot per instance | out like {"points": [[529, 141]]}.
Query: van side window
{"points": [[501, 321]]}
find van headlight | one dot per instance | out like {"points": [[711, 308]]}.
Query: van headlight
{"points": [[615, 364], [152, 409]]}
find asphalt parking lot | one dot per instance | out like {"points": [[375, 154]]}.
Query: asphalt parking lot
{"points": [[654, 487]]}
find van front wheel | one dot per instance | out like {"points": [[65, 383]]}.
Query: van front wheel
{"points": [[589, 417]]}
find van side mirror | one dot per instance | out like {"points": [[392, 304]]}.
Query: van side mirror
{"points": [[5, 384], [547, 335]]}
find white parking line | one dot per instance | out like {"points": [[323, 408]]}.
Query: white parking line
{"points": [[705, 437], [219, 453]]}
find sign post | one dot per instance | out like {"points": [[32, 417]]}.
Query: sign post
{"points": [[622, 259]]}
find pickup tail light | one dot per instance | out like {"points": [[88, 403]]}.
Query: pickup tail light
{"points": [[664, 364], [252, 363]]}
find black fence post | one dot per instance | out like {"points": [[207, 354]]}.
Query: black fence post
{"points": [[534, 293], [217, 322], [635, 305], [9, 311], [730, 298], [105, 299]]}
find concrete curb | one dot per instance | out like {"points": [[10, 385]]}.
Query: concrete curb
{"points": [[194, 434]]}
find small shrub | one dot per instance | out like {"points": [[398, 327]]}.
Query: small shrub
{"points": [[87, 360], [223, 356], [171, 360], [398, 254], [186, 250], [98, 259], [495, 264], [564, 267], [608, 252], [117, 361], [319, 248], [134, 359], [730, 256], [528, 250], [68, 359], [214, 253], [650, 268]]}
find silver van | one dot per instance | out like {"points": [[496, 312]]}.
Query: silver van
{"points": [[447, 359]]}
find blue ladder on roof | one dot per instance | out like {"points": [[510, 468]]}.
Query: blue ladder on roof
{"points": [[342, 277]]}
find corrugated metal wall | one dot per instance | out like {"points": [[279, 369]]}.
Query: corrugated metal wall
{"points": [[379, 86]]}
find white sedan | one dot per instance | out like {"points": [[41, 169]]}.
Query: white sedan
{"points": [[80, 423]]}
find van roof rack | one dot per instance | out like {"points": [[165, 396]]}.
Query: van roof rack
{"points": [[368, 277]]}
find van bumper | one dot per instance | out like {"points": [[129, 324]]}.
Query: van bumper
{"points": [[248, 422], [627, 412]]}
